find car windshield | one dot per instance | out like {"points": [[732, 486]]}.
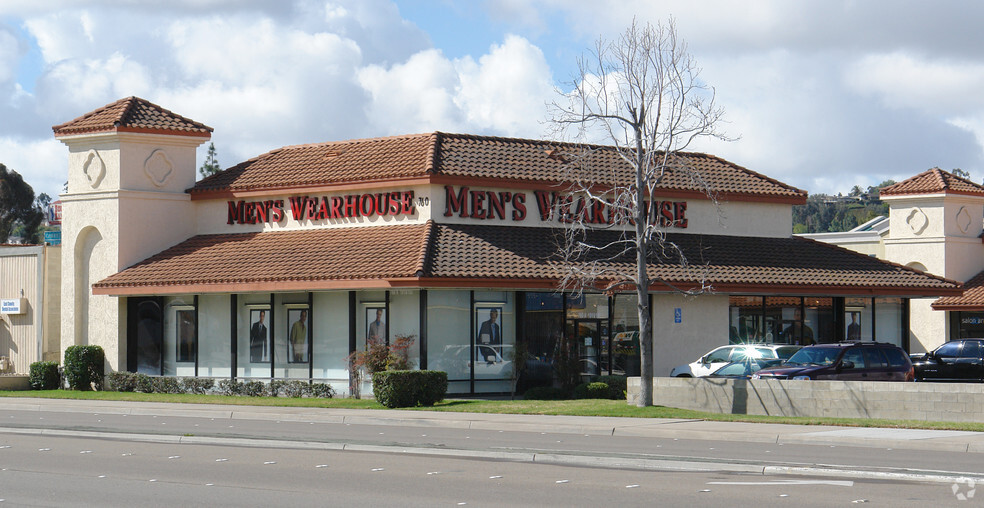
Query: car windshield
{"points": [[814, 356]]}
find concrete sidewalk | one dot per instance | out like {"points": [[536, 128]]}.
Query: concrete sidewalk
{"points": [[912, 439]]}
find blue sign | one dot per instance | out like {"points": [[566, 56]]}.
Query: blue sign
{"points": [[678, 315], [52, 237]]}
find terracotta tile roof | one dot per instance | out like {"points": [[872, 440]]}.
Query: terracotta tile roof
{"points": [[273, 258], [934, 181], [327, 163], [971, 299], [505, 252], [132, 114], [476, 254], [473, 157]]}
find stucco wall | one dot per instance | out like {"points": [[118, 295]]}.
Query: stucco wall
{"points": [[704, 322], [837, 399], [20, 334]]}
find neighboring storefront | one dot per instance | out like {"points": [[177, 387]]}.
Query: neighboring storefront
{"points": [[935, 225], [281, 266]]}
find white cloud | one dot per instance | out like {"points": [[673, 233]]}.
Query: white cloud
{"points": [[43, 163], [9, 55], [901, 80], [503, 93]]}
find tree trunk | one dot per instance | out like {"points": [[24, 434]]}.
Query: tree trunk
{"points": [[642, 279]]}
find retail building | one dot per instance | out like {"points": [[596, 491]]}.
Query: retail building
{"points": [[282, 265], [935, 225]]}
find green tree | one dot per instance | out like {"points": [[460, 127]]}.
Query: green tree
{"points": [[961, 173], [211, 164], [18, 207]]}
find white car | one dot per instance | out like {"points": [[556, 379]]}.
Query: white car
{"points": [[723, 355]]}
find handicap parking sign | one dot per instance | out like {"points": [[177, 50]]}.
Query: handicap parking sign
{"points": [[678, 315]]}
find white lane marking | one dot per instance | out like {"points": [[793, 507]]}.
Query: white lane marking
{"points": [[836, 483]]}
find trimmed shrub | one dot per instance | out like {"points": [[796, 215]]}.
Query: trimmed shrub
{"points": [[197, 385], [409, 388], [230, 387], [165, 384], [294, 388], [321, 390], [84, 367], [617, 386], [123, 381], [545, 393], [44, 376], [591, 391], [275, 387], [145, 383], [254, 389]]}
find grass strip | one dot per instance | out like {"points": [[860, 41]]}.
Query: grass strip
{"points": [[583, 407]]}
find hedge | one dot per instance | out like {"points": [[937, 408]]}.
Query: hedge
{"points": [[591, 391], [409, 388], [84, 367], [44, 376]]}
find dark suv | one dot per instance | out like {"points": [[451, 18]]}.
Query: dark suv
{"points": [[958, 360], [847, 361]]}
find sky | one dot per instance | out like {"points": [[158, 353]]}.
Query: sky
{"points": [[822, 95]]}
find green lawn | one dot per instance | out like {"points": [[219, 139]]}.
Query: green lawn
{"points": [[585, 407]]}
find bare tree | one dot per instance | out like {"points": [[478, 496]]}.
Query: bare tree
{"points": [[640, 92]]}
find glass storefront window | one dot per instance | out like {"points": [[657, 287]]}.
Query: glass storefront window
{"points": [[291, 358], [888, 320], [858, 319], [625, 335], [967, 325], [330, 337], [818, 316], [543, 321], [405, 321], [253, 343], [495, 340], [745, 315], [448, 348], [214, 347], [179, 336]]}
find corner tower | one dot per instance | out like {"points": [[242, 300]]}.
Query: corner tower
{"points": [[129, 165]]}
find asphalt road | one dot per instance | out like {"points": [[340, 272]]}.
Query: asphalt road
{"points": [[435, 438], [99, 453], [73, 471]]}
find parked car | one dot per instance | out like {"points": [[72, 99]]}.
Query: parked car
{"points": [[743, 369], [957, 360], [723, 355], [853, 361]]}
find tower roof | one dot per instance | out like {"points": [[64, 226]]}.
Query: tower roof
{"points": [[133, 114], [934, 181]]}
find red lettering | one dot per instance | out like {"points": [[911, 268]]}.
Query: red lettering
{"points": [[322, 208], [261, 211], [455, 202], [519, 206], [394, 203], [477, 204], [235, 212], [351, 206], [368, 207], [666, 213], [598, 213], [680, 214], [544, 203], [277, 213], [297, 207], [497, 204], [336, 207], [407, 203]]}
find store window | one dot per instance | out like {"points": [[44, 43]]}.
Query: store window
{"points": [[254, 344], [968, 325], [888, 320], [858, 319], [543, 326], [180, 336], [330, 337], [448, 342], [745, 316], [625, 335], [494, 340], [818, 316], [214, 346]]}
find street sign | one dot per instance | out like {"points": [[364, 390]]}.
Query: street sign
{"points": [[52, 237]]}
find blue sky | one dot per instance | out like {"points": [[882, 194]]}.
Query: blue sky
{"points": [[822, 95]]}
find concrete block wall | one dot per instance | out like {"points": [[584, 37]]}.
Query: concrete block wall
{"points": [[963, 402]]}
